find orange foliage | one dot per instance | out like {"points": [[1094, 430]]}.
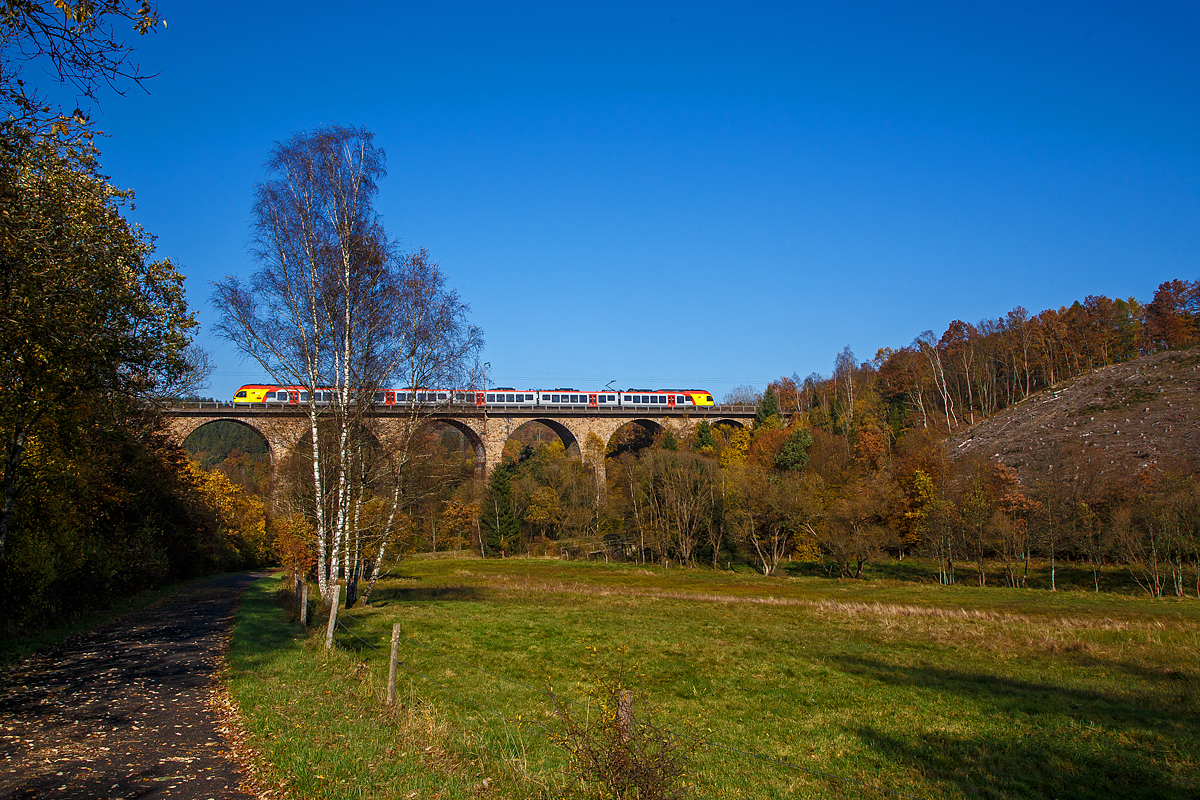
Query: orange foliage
{"points": [[293, 544]]}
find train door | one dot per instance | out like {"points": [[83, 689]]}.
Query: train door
{"points": [[670, 401], [390, 399], [293, 398], [592, 400], [479, 399]]}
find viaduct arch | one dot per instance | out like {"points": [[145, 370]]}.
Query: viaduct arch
{"points": [[588, 432]]}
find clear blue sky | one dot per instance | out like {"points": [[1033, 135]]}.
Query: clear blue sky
{"points": [[690, 194]]}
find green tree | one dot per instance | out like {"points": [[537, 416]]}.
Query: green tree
{"points": [[83, 309], [767, 415], [500, 527], [794, 455], [706, 442]]}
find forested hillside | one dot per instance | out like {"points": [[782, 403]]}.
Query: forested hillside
{"points": [[1070, 435]]}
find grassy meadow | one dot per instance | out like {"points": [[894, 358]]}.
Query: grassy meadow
{"points": [[776, 687]]}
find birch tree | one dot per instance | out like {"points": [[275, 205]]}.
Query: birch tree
{"points": [[336, 310]]}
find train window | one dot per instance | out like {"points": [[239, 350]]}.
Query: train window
{"points": [[304, 397], [511, 399], [491, 398], [441, 395], [240, 394], [602, 398], [553, 398]]}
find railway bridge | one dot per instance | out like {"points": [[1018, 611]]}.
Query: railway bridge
{"points": [[585, 432]]}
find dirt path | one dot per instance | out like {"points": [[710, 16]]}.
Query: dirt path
{"points": [[122, 712]]}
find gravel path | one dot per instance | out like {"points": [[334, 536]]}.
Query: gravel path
{"points": [[123, 711]]}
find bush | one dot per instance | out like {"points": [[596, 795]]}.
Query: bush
{"points": [[617, 753]]}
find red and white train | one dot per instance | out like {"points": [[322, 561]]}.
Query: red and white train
{"points": [[502, 397]]}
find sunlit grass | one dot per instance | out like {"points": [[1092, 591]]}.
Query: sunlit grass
{"points": [[922, 690]]}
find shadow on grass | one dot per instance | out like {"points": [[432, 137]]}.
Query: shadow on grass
{"points": [[1084, 743], [1068, 576], [259, 631], [908, 570], [413, 594]]}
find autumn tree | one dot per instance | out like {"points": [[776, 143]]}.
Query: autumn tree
{"points": [[1173, 316], [84, 310], [768, 513]]}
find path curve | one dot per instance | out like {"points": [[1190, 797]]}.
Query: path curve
{"points": [[122, 711]]}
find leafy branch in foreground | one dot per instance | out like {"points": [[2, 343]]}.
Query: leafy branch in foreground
{"points": [[80, 42], [617, 753]]}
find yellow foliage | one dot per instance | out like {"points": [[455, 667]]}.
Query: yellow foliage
{"points": [[240, 517], [736, 445], [807, 549]]}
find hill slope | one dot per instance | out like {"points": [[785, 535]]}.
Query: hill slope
{"points": [[1120, 418]]}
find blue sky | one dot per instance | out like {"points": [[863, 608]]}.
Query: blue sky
{"points": [[690, 194]]}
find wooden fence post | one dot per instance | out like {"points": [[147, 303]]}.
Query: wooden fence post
{"points": [[337, 595], [625, 714], [391, 697], [304, 605]]}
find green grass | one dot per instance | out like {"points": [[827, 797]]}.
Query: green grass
{"points": [[919, 689]]}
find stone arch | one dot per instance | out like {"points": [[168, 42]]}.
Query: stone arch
{"points": [[648, 426], [569, 441], [472, 437], [184, 428]]}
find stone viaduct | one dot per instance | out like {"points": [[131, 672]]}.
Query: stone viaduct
{"points": [[585, 432]]}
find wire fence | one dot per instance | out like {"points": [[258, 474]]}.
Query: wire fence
{"points": [[527, 721]]}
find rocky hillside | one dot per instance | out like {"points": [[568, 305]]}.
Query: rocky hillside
{"points": [[1119, 419]]}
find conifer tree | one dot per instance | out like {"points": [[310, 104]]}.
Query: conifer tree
{"points": [[768, 409], [499, 525], [705, 440], [794, 454]]}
